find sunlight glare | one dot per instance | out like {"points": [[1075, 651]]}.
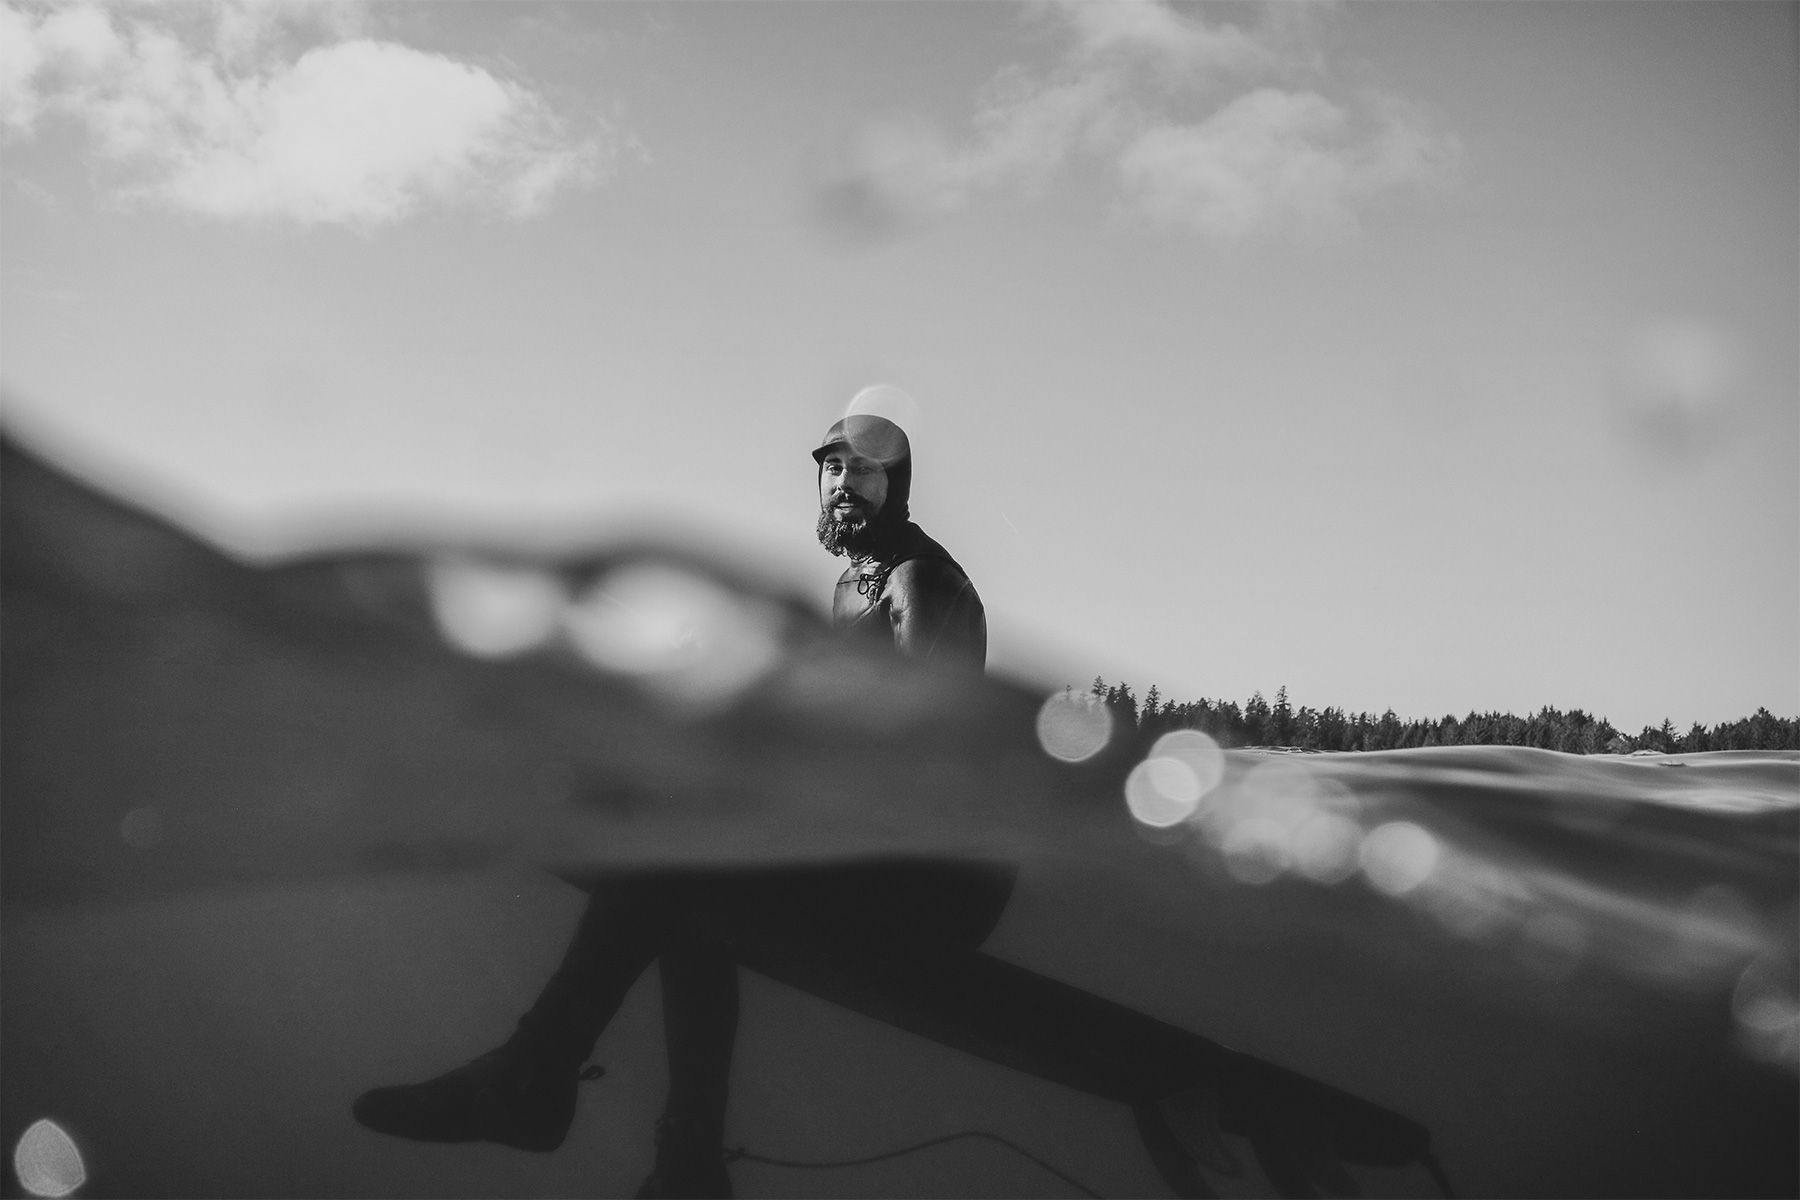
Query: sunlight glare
{"points": [[1257, 850], [1399, 856], [1766, 1006], [1197, 751], [1073, 728], [1324, 847], [494, 610], [1715, 931], [1474, 899], [48, 1161], [687, 638], [1283, 815], [1162, 792], [1182, 768], [886, 400]]}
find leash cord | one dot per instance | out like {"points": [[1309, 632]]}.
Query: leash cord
{"points": [[1438, 1175], [747, 1156], [1430, 1161]]}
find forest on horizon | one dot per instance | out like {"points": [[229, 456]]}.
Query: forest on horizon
{"points": [[1260, 722]]}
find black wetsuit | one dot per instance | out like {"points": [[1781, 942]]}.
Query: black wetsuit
{"points": [[916, 595]]}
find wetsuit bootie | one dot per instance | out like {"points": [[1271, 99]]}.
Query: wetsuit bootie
{"points": [[690, 1162], [509, 1096]]}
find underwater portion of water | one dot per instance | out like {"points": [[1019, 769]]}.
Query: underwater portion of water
{"points": [[1579, 974]]}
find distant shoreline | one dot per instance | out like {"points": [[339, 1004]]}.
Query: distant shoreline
{"points": [[1262, 724]]}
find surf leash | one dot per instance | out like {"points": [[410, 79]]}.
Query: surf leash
{"points": [[1429, 1161], [828, 1164], [1438, 1175]]}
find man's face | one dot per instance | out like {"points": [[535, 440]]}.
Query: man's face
{"points": [[852, 490], [851, 485]]}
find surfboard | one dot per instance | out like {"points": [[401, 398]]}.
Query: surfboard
{"points": [[1183, 1088]]}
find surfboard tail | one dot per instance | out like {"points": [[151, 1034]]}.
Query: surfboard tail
{"points": [[1185, 1090]]}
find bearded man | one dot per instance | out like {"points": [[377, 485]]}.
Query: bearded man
{"points": [[900, 583], [900, 586]]}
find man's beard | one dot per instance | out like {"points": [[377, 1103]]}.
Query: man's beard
{"points": [[857, 537]]}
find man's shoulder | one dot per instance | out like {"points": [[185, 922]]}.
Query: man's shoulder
{"points": [[930, 577], [917, 546], [928, 568]]}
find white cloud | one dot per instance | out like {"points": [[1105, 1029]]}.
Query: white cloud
{"points": [[1152, 34], [1200, 123], [37, 54], [225, 110], [1026, 128], [1278, 161], [20, 60]]}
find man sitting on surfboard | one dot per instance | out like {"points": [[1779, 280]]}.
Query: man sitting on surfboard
{"points": [[900, 586]]}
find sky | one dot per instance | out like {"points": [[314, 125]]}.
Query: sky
{"points": [[1433, 357]]}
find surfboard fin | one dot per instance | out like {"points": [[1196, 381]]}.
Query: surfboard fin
{"points": [[1299, 1162], [1184, 1137], [1181, 1134]]}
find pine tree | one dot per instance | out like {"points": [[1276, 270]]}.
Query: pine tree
{"points": [[1333, 729], [1306, 729], [1127, 705], [1229, 724], [1256, 720]]}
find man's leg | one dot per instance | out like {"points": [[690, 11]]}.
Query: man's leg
{"points": [[622, 930], [523, 1093], [700, 1016]]}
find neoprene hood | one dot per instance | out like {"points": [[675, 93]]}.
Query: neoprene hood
{"points": [[883, 441]]}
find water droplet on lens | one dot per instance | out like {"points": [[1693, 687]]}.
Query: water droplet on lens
{"points": [[494, 610], [1256, 851], [1196, 751], [886, 400], [1073, 728], [142, 829], [685, 636], [1554, 943], [1766, 1006], [1325, 846], [1162, 792], [1399, 856], [47, 1160]]}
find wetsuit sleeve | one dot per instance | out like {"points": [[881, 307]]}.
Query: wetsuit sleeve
{"points": [[936, 614]]}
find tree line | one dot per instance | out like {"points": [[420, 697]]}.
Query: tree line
{"points": [[1260, 722]]}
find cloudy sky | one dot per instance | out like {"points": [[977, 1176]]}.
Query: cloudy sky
{"points": [[1432, 357]]}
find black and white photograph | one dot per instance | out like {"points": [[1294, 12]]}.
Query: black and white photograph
{"points": [[899, 598]]}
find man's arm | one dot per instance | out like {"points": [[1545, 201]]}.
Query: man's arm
{"points": [[936, 614]]}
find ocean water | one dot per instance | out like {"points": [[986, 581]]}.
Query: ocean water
{"points": [[1588, 989], [277, 834]]}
